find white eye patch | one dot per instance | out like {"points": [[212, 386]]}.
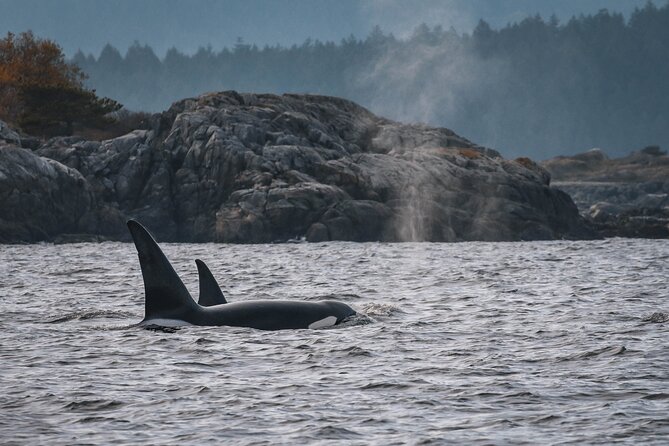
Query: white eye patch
{"points": [[325, 322]]}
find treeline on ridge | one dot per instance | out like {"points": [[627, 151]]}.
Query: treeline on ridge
{"points": [[537, 87]]}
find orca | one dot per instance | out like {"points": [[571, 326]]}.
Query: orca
{"points": [[169, 304]]}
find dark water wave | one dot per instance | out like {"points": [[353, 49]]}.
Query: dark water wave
{"points": [[469, 343], [657, 317], [84, 315]]}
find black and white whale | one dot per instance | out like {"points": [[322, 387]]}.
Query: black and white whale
{"points": [[168, 303]]}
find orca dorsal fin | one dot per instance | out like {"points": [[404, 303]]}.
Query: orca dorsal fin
{"points": [[166, 296], [210, 292]]}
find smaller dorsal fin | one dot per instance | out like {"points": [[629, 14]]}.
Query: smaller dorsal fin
{"points": [[210, 292]]}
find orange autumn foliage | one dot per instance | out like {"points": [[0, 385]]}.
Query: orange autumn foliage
{"points": [[27, 61], [470, 153], [41, 92]]}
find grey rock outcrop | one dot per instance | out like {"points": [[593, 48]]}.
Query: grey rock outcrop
{"points": [[8, 135], [40, 198], [627, 197], [232, 167]]}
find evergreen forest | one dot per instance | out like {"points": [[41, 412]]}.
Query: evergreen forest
{"points": [[536, 88]]}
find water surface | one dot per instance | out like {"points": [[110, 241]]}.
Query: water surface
{"points": [[541, 342]]}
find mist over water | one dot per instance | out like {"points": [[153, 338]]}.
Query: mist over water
{"points": [[414, 215], [444, 84], [476, 343]]}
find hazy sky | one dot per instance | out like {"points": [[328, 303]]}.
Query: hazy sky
{"points": [[187, 25]]}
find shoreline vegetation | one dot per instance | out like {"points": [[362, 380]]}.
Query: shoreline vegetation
{"points": [[44, 95]]}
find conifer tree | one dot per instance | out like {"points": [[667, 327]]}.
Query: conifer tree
{"points": [[42, 93]]}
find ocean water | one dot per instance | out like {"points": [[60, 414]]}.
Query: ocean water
{"points": [[467, 343]]}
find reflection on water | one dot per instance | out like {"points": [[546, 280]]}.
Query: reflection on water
{"points": [[467, 342]]}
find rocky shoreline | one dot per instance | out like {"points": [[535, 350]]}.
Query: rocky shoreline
{"points": [[247, 168], [620, 197]]}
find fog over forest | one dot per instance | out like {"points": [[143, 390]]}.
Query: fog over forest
{"points": [[539, 87]]}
